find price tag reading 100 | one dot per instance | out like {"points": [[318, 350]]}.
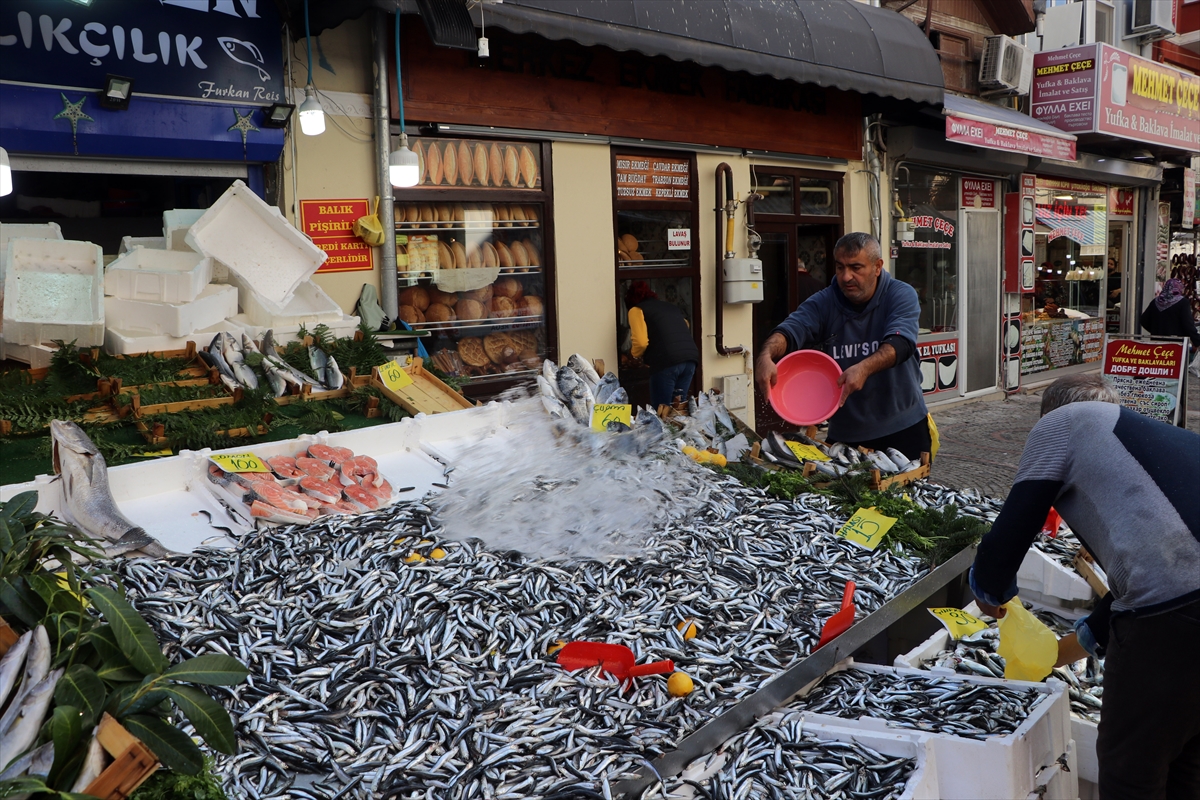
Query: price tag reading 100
{"points": [[394, 377], [240, 462]]}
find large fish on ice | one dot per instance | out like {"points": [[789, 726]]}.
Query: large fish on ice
{"points": [[90, 502]]}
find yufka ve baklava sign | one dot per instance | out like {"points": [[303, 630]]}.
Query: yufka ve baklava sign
{"points": [[654, 178], [330, 224]]}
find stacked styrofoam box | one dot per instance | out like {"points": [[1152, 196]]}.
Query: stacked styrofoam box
{"points": [[19, 230], [345, 326], [1043, 580], [999, 767], [257, 244], [120, 342], [158, 276], [212, 306], [151, 242], [54, 290], [176, 224], [309, 306]]}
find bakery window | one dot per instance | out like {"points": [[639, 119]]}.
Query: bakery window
{"points": [[472, 260], [927, 259], [1070, 249], [656, 216]]}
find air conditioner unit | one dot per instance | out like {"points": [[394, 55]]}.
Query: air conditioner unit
{"points": [[1006, 67], [1151, 19]]}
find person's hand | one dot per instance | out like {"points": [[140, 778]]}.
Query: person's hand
{"points": [[1069, 650], [991, 610], [765, 374], [851, 381]]}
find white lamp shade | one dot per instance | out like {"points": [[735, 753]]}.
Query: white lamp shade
{"points": [[312, 116], [6, 173], [403, 167]]}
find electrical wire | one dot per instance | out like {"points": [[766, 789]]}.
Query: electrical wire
{"points": [[399, 86], [362, 137], [308, 41]]}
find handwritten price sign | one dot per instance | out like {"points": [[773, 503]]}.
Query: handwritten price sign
{"points": [[806, 452], [240, 462], [605, 413], [866, 528], [958, 622], [394, 377]]}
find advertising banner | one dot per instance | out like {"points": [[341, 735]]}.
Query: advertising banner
{"points": [[1006, 137], [1188, 219], [1055, 343], [330, 223], [1097, 88], [1120, 202], [228, 50], [939, 366], [1147, 374]]}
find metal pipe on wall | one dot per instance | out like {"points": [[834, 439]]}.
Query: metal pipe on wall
{"points": [[725, 211], [380, 36]]}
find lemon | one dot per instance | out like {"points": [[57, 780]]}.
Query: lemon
{"points": [[414, 558], [554, 648], [688, 629], [437, 554], [680, 684]]}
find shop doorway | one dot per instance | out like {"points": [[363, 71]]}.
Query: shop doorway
{"points": [[1118, 310], [982, 299]]}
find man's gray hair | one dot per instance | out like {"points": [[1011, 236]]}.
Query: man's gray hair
{"points": [[1078, 389], [857, 242]]}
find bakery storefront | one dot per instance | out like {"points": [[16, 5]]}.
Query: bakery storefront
{"points": [[584, 153]]}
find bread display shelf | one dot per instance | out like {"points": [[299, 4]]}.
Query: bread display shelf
{"points": [[424, 273], [496, 225], [491, 324], [653, 263]]}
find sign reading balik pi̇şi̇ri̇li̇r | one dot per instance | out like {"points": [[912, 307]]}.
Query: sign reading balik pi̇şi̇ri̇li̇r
{"points": [[330, 224]]}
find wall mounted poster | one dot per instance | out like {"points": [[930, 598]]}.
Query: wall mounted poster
{"points": [[1056, 343], [1147, 374]]}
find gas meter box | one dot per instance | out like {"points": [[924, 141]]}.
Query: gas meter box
{"points": [[743, 280]]}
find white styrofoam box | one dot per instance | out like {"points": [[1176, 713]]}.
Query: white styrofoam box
{"points": [[1042, 579], [309, 306], [22, 230], [214, 304], [151, 242], [254, 240], [37, 356], [1000, 767], [939, 641], [119, 342], [1084, 732], [54, 289], [158, 276], [346, 326], [176, 223]]}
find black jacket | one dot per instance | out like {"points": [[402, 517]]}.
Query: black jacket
{"points": [[1175, 322], [670, 337]]}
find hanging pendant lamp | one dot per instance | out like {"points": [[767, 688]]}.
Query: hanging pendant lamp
{"points": [[403, 167], [312, 116]]}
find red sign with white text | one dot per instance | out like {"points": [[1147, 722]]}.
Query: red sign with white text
{"points": [[1003, 137], [1120, 203], [330, 224], [978, 193]]}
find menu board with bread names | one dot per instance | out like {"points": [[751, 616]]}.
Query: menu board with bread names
{"points": [[478, 164], [653, 178]]}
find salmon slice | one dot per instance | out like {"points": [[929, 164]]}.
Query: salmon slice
{"points": [[315, 467], [324, 491], [361, 498]]}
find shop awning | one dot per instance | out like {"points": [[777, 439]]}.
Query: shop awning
{"points": [[985, 125]]}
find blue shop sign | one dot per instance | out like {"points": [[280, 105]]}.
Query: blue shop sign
{"points": [[227, 50]]}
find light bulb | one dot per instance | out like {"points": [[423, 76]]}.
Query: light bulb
{"points": [[312, 116], [5, 173], [403, 167]]}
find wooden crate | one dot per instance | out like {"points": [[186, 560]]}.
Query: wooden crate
{"points": [[425, 394], [1084, 565], [151, 437], [8, 637], [880, 483], [132, 763]]}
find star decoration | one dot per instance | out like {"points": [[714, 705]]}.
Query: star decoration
{"points": [[74, 113], [243, 124]]}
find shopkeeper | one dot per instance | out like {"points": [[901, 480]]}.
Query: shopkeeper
{"points": [[1126, 484], [867, 321], [662, 337]]}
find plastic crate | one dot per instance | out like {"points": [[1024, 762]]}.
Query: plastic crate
{"points": [[255, 242], [120, 342], [215, 304], [309, 306], [176, 223], [158, 276], [1000, 767], [1043, 580], [54, 289]]}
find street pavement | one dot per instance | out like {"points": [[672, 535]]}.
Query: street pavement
{"points": [[981, 442]]}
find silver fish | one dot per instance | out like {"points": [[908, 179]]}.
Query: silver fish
{"points": [[12, 664], [231, 349], [89, 500], [334, 379], [93, 765], [584, 369], [28, 721]]}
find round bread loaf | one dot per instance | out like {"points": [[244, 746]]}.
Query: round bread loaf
{"points": [[503, 307], [436, 295], [469, 309], [531, 306], [535, 258], [504, 256], [629, 243], [460, 255], [411, 315], [507, 287], [445, 256], [471, 351], [491, 258], [439, 313], [524, 340], [500, 348], [483, 295], [415, 296]]}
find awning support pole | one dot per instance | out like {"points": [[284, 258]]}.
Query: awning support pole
{"points": [[380, 35]]}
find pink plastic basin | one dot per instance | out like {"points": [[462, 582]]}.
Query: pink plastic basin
{"points": [[806, 391]]}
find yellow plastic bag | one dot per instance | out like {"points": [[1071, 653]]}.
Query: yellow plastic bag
{"points": [[1028, 647], [370, 228]]}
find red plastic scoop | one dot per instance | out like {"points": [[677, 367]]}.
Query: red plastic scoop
{"points": [[841, 621], [615, 659]]}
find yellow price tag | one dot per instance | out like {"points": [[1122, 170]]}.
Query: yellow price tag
{"points": [[866, 528], [240, 462], [153, 454], [394, 377], [958, 622], [605, 413], [806, 452]]}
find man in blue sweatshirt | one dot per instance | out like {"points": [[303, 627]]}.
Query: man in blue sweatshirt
{"points": [[867, 321]]}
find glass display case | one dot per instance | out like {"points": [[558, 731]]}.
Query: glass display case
{"points": [[472, 261]]}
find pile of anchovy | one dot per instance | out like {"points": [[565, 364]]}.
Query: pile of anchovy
{"points": [[932, 704], [387, 661], [776, 758], [976, 654], [1061, 548]]}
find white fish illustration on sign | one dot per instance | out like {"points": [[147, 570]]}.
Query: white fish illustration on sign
{"points": [[232, 47]]}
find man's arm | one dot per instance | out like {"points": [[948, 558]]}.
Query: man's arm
{"points": [[774, 348], [638, 332], [853, 378], [801, 327]]}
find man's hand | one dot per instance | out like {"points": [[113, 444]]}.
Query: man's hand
{"points": [[991, 610], [765, 374], [852, 380], [1069, 650]]}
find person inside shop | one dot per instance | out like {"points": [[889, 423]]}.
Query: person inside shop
{"points": [[1114, 283], [806, 283], [1169, 314], [867, 321], [1126, 485], [663, 339]]}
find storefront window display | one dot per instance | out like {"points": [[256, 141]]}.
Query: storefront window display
{"points": [[1066, 326], [472, 258], [928, 260]]}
